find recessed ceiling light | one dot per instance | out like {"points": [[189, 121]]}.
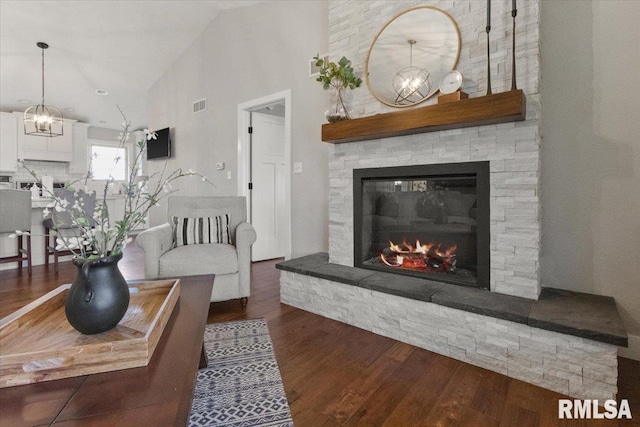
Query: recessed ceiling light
{"points": [[102, 92], [69, 109], [25, 102]]}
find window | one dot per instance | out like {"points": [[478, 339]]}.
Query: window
{"points": [[109, 161]]}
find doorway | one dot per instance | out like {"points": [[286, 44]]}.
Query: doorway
{"points": [[264, 172]]}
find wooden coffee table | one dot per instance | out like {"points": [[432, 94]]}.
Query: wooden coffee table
{"points": [[157, 394]]}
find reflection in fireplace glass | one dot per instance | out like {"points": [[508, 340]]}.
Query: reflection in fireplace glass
{"points": [[421, 226]]}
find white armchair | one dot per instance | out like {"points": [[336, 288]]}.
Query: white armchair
{"points": [[231, 263]]}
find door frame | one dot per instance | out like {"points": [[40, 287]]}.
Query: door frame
{"points": [[244, 153]]}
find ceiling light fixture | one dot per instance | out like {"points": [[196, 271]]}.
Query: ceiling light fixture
{"points": [[411, 84], [102, 92], [41, 119]]}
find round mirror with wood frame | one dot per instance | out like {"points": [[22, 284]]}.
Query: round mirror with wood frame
{"points": [[411, 54]]}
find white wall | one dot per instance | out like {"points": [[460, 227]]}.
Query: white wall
{"points": [[245, 54], [591, 152]]}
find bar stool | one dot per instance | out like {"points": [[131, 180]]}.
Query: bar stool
{"points": [[61, 221], [15, 215]]}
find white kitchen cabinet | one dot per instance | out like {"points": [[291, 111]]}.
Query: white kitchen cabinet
{"points": [[54, 149], [115, 204], [8, 142], [80, 161]]}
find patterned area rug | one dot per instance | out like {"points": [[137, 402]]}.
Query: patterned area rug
{"points": [[242, 385]]}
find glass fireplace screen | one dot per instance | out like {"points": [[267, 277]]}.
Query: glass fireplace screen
{"points": [[427, 221]]}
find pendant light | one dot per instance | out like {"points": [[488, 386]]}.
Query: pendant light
{"points": [[41, 119], [411, 84]]}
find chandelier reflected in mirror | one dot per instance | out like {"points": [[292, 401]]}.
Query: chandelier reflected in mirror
{"points": [[41, 119], [411, 84]]}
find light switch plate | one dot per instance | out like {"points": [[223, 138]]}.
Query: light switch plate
{"points": [[297, 167], [228, 174]]}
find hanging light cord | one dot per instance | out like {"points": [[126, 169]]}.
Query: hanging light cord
{"points": [[411, 43], [42, 75]]}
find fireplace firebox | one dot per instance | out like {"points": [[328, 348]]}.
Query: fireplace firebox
{"points": [[429, 221]]}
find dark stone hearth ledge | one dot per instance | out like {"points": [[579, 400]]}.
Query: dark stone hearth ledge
{"points": [[583, 315]]}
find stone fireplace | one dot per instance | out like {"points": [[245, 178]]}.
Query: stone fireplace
{"points": [[449, 208], [512, 153], [428, 221], [512, 150]]}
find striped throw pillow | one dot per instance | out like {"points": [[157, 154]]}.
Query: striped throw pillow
{"points": [[198, 231]]}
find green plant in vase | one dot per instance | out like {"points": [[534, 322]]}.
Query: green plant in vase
{"points": [[337, 77]]}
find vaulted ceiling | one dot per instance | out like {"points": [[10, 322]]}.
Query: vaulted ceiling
{"points": [[122, 47]]}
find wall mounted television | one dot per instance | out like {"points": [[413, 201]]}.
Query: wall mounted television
{"points": [[159, 148]]}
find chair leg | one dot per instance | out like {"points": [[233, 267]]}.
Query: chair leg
{"points": [[55, 260], [243, 303], [20, 252], [47, 242], [29, 270]]}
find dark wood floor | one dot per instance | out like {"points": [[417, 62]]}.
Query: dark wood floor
{"points": [[335, 374]]}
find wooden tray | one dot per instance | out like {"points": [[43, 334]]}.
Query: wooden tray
{"points": [[37, 343]]}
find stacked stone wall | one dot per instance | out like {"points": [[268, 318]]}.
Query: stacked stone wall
{"points": [[513, 149], [570, 365]]}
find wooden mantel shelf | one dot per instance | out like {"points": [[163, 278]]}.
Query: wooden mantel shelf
{"points": [[485, 110]]}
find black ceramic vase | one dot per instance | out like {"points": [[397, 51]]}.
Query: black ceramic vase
{"points": [[98, 297]]}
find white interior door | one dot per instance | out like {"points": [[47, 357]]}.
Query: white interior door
{"points": [[268, 169]]}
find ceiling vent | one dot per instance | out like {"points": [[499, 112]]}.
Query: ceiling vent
{"points": [[199, 105]]}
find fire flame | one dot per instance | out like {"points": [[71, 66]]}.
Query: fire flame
{"points": [[397, 261], [447, 252], [431, 256]]}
